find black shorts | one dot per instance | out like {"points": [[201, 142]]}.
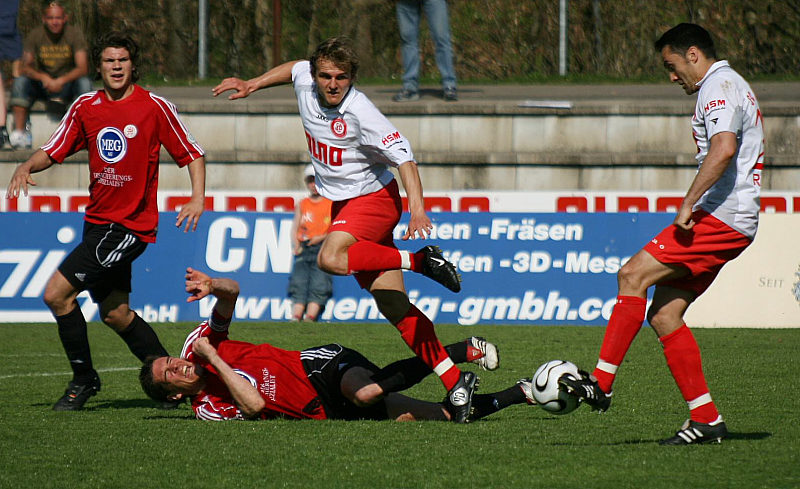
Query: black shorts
{"points": [[325, 366], [102, 261]]}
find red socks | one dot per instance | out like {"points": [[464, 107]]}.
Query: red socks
{"points": [[418, 333], [626, 321], [366, 256], [683, 359]]}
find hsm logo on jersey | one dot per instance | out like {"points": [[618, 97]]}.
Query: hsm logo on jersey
{"points": [[391, 138], [327, 154], [111, 145], [714, 105]]}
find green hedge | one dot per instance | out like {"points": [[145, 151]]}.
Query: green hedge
{"points": [[494, 40]]}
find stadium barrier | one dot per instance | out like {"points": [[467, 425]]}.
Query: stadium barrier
{"points": [[518, 268]]}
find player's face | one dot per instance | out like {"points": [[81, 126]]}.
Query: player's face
{"points": [[332, 83], [116, 70], [681, 70], [54, 19], [181, 375]]}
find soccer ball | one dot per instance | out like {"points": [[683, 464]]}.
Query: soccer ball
{"points": [[545, 387]]}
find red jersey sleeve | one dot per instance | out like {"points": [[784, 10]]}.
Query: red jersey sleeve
{"points": [[214, 337], [213, 408], [69, 137], [174, 135]]}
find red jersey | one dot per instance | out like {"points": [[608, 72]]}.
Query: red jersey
{"points": [[278, 375], [124, 139]]}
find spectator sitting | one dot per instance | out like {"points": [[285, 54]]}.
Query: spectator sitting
{"points": [[54, 68], [10, 51]]}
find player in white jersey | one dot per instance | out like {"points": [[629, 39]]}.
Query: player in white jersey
{"points": [[717, 220], [352, 146]]}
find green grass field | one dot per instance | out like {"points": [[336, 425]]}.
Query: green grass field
{"points": [[122, 441]]}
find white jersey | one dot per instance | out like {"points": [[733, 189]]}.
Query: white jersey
{"points": [[725, 103], [352, 145]]}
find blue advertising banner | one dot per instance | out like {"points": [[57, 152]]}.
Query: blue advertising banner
{"points": [[517, 268]]}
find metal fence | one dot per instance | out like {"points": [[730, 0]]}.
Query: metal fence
{"points": [[493, 39]]}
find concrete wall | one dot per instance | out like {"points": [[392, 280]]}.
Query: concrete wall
{"points": [[587, 149]]}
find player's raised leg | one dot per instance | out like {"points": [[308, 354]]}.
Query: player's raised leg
{"points": [[634, 278]]}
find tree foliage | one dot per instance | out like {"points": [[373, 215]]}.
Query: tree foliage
{"points": [[493, 39]]}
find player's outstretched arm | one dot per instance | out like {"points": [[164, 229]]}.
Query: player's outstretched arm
{"points": [[192, 210], [22, 174], [419, 224], [280, 75]]}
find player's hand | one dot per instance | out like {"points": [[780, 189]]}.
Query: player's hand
{"points": [[684, 219], [190, 212], [418, 226], [19, 180], [198, 285], [238, 85], [203, 348]]}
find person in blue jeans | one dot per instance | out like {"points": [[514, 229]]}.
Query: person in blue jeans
{"points": [[408, 20], [309, 286]]}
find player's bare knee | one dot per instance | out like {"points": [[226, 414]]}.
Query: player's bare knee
{"points": [[367, 395], [661, 320], [629, 277], [332, 263], [117, 318]]}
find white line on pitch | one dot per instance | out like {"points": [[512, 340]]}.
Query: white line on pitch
{"points": [[52, 374]]}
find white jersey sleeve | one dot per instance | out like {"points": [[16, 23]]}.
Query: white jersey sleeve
{"points": [[352, 146], [725, 103]]}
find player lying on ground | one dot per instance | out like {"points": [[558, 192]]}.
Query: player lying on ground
{"points": [[229, 379]]}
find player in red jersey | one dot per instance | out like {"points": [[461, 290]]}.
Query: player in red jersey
{"points": [[123, 128], [229, 379]]}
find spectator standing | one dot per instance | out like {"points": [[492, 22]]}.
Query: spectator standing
{"points": [[309, 287], [10, 52], [54, 68], [409, 13]]}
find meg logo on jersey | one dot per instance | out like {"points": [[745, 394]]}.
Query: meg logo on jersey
{"points": [[112, 145]]}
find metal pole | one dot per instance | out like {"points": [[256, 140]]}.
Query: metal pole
{"points": [[562, 37], [276, 32], [202, 39]]}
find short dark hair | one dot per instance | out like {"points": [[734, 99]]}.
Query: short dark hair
{"points": [[155, 390], [339, 51], [683, 36], [116, 39]]}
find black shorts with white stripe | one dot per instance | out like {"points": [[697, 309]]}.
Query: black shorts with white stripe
{"points": [[325, 366], [102, 261]]}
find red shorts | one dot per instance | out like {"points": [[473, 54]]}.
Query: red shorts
{"points": [[370, 217], [703, 250]]}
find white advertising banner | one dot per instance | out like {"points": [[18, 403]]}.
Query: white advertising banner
{"points": [[760, 288]]}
